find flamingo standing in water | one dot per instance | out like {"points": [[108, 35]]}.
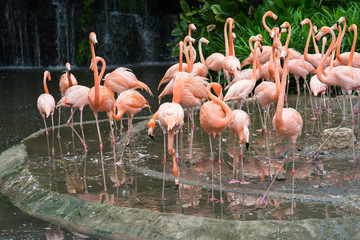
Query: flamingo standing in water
{"points": [[214, 118], [240, 125], [66, 80], [76, 97], [171, 118], [267, 93], [46, 103], [348, 78], [287, 122], [130, 102], [101, 99]]}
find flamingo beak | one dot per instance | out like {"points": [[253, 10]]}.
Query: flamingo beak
{"points": [[282, 62], [150, 133], [247, 146], [176, 186], [300, 25]]}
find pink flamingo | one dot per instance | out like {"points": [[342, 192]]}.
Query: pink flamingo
{"points": [[348, 78], [214, 63], [241, 89], [214, 118], [130, 102], [76, 97], [230, 63], [263, 56], [66, 80], [101, 99], [240, 125], [287, 122], [267, 93], [171, 118], [200, 68], [46, 103]]}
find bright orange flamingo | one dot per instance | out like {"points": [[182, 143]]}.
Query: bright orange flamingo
{"points": [[171, 118], [348, 78], [76, 97], [240, 125], [214, 118], [101, 99], [267, 93], [230, 63], [66, 80], [130, 102], [46, 103], [287, 122]]}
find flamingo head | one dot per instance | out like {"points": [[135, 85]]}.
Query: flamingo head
{"points": [[352, 27], [284, 25], [217, 88], [246, 135], [192, 27], [283, 53], [189, 39], [67, 66], [151, 126], [204, 40], [47, 75], [341, 19], [315, 29], [92, 37], [305, 21]]}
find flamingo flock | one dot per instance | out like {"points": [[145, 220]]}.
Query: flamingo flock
{"points": [[190, 90]]}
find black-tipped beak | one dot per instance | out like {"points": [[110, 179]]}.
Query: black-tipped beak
{"points": [[261, 42], [276, 20], [238, 68], [247, 146], [317, 41], [300, 25], [282, 62], [261, 50], [195, 31], [337, 24], [279, 29], [151, 136], [271, 40], [176, 186]]}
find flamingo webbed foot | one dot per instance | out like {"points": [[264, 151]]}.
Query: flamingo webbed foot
{"points": [[212, 199], [263, 200], [244, 182], [233, 181]]}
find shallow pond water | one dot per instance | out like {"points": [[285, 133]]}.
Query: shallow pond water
{"points": [[63, 167]]}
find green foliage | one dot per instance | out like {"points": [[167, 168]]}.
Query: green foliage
{"points": [[83, 56], [248, 21]]}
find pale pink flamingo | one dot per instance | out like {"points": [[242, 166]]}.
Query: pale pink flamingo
{"points": [[267, 93], [66, 80], [75, 97], [230, 63], [214, 63], [287, 122], [171, 118], [214, 118], [240, 125], [200, 68], [348, 78], [130, 102], [263, 56], [46, 103], [241, 89], [101, 99]]}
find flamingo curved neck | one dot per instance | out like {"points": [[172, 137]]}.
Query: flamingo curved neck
{"points": [[181, 45], [221, 122], [201, 54], [353, 46], [231, 40], [308, 42], [320, 69], [46, 76], [264, 22], [97, 78], [314, 42], [69, 77], [276, 73], [188, 60], [339, 42]]}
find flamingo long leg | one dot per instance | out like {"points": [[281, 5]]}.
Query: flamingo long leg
{"points": [[212, 171], [353, 138], [234, 161], [114, 152], [101, 149], [164, 162], [221, 199], [72, 128], [242, 166], [58, 134]]}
